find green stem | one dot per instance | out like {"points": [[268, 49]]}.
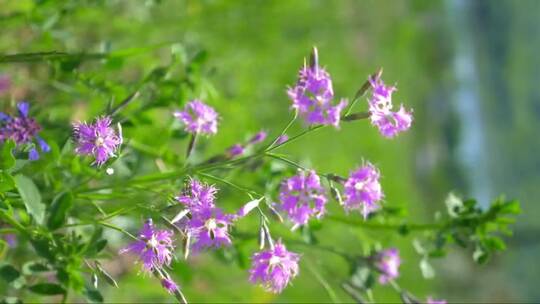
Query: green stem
{"points": [[10, 220], [285, 160], [49, 56], [105, 224], [224, 181], [296, 137], [283, 131], [385, 226]]}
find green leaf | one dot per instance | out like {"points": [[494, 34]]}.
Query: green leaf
{"points": [[454, 205], [47, 289], [31, 197], [108, 278], [362, 278], [7, 161], [9, 273], [6, 182], [427, 270], [43, 248], [494, 243], [59, 209], [34, 267], [96, 247], [480, 256], [93, 295], [511, 207]]}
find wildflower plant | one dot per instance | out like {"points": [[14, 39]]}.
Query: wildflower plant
{"points": [[61, 205]]}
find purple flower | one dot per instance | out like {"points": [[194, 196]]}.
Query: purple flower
{"points": [[363, 190], [97, 139], [169, 285], [208, 225], [198, 118], [258, 138], [22, 129], [154, 247], [5, 83], [274, 268], [302, 196], [387, 262], [11, 239], [313, 94], [198, 196], [430, 300], [281, 139], [236, 150], [380, 107], [209, 228]]}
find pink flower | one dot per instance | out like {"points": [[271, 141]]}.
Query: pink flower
{"points": [[97, 139], [154, 247], [198, 118], [380, 107], [363, 190], [388, 261], [274, 268]]}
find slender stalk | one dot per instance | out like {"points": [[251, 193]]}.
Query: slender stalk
{"points": [[191, 145], [385, 226], [124, 103], [331, 293], [296, 137], [224, 181], [105, 224], [50, 56], [283, 131]]}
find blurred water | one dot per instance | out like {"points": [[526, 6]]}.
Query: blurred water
{"points": [[497, 99], [466, 103]]}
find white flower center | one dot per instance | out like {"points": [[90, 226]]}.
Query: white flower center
{"points": [[153, 242], [200, 121], [274, 260], [211, 224], [99, 141], [359, 186]]}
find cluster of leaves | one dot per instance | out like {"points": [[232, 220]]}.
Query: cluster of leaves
{"points": [[38, 198], [465, 224], [61, 254]]}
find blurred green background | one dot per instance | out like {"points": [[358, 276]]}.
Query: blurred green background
{"points": [[468, 68]]}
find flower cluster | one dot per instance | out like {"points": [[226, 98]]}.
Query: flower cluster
{"points": [[274, 268], [380, 107], [23, 130], [198, 118], [98, 139], [387, 262], [313, 95], [363, 190], [302, 197], [208, 225], [154, 247]]}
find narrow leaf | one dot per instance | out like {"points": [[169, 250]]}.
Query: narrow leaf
{"points": [[9, 273], [108, 278], [31, 197], [59, 209], [47, 289], [7, 161], [93, 295]]}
